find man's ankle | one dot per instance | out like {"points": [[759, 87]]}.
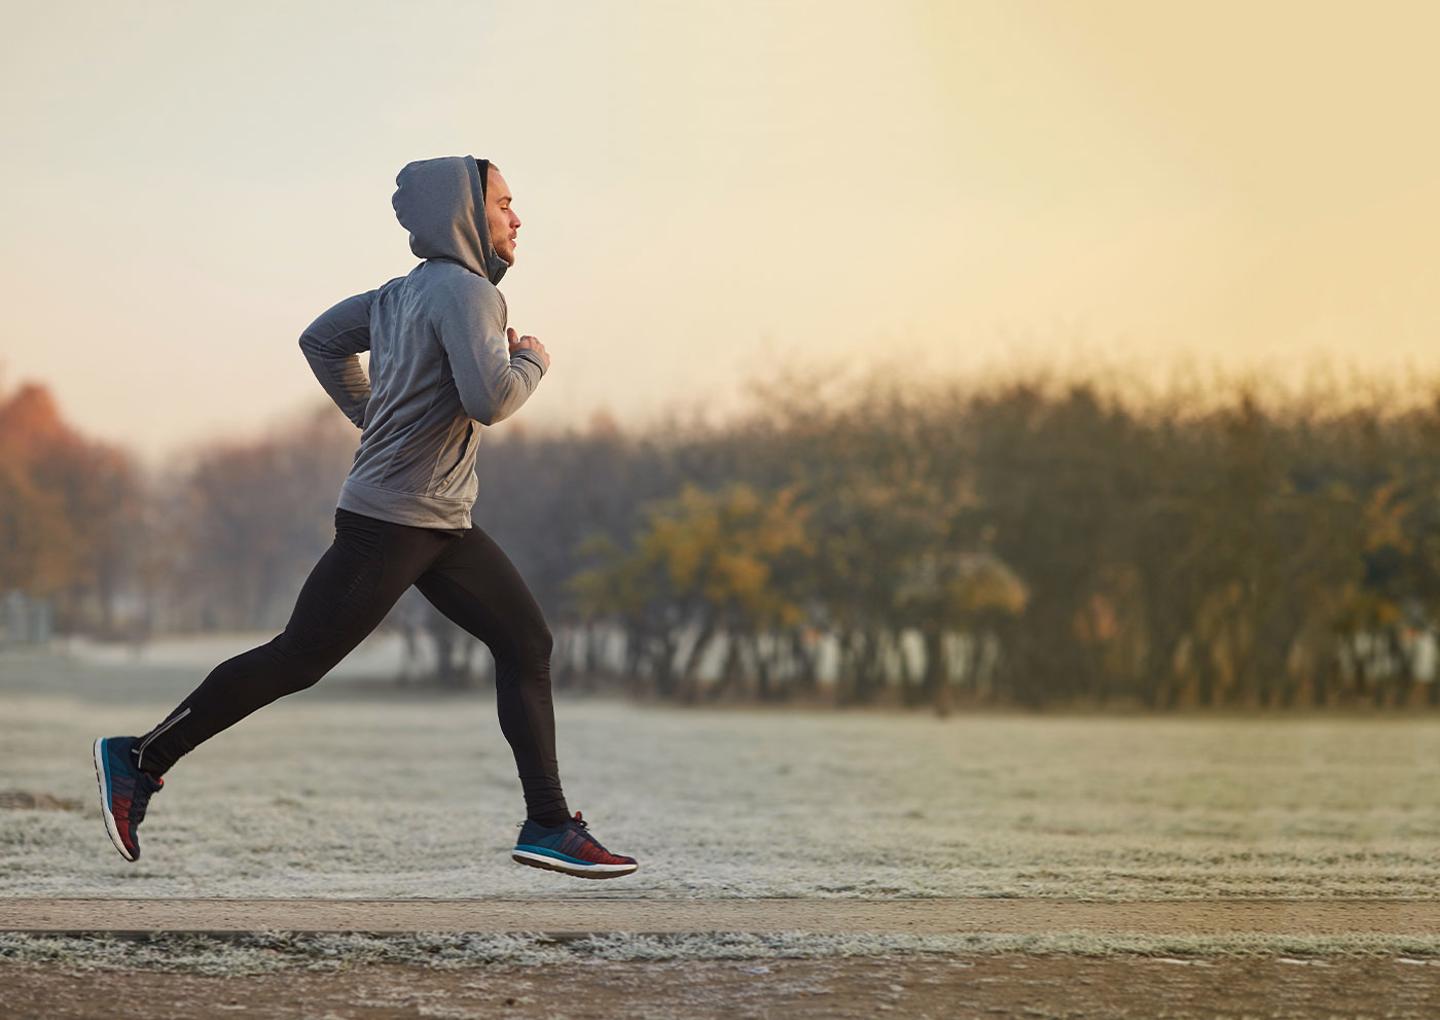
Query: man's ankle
{"points": [[551, 818]]}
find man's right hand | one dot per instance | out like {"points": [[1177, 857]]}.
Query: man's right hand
{"points": [[528, 343]]}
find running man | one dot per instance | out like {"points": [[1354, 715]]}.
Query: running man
{"points": [[443, 363]]}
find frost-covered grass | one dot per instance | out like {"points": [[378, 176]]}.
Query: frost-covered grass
{"points": [[336, 794], [270, 952]]}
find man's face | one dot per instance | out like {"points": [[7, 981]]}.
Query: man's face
{"points": [[503, 222]]}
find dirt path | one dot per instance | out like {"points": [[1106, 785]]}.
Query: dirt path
{"points": [[593, 915], [956, 989], [950, 985]]}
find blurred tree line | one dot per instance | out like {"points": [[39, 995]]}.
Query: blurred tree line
{"points": [[1031, 541]]}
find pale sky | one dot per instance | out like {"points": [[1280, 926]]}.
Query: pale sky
{"points": [[710, 190]]}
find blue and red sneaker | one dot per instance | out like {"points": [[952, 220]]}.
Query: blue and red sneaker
{"points": [[124, 792], [570, 848]]}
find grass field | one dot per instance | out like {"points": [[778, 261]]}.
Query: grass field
{"points": [[352, 791], [334, 792]]}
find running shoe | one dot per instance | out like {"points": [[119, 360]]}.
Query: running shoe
{"points": [[125, 792], [570, 848]]}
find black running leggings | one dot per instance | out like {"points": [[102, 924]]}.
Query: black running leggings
{"points": [[360, 577]]}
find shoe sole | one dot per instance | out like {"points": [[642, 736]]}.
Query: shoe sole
{"points": [[586, 871], [102, 776]]}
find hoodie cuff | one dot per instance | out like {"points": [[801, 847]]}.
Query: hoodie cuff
{"points": [[531, 357]]}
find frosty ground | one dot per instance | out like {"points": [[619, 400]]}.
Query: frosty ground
{"points": [[348, 790], [339, 792], [1069, 987]]}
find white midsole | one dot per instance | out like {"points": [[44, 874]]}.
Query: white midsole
{"points": [[570, 866], [98, 755]]}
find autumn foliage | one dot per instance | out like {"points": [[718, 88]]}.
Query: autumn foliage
{"points": [[1032, 540], [67, 507]]}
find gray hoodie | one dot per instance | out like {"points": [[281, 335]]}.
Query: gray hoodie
{"points": [[440, 366]]}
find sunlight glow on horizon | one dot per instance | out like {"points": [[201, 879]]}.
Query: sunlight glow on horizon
{"points": [[712, 190]]}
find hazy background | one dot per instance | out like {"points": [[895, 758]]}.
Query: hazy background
{"points": [[1037, 203], [708, 189]]}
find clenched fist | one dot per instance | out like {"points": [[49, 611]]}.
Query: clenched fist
{"points": [[528, 343]]}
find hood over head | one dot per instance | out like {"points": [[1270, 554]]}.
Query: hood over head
{"points": [[442, 203]]}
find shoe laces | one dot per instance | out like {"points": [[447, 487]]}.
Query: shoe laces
{"points": [[581, 822], [140, 800]]}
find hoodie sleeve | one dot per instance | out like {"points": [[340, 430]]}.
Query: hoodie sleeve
{"points": [[332, 344], [470, 322]]}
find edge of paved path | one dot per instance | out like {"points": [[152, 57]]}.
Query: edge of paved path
{"points": [[568, 918]]}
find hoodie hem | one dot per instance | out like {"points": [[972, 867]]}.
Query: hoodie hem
{"points": [[410, 508]]}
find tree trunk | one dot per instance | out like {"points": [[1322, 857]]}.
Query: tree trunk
{"points": [[689, 682], [936, 677], [764, 688]]}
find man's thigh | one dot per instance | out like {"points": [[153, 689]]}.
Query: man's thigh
{"points": [[356, 582], [475, 585]]}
